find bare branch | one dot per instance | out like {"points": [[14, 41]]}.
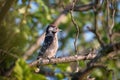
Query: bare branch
{"points": [[113, 22], [98, 37], [82, 74], [76, 8], [95, 30], [76, 26], [109, 25], [92, 55], [63, 59], [105, 51], [108, 20]]}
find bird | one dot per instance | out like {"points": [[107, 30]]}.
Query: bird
{"points": [[50, 44]]}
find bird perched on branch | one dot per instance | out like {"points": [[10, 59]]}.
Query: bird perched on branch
{"points": [[50, 44]]}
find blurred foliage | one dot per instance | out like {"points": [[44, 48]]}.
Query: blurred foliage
{"points": [[25, 22], [22, 72]]}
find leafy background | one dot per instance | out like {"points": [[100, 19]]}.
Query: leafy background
{"points": [[27, 20]]}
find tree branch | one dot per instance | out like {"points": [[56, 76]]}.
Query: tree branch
{"points": [[92, 55], [34, 47], [91, 65], [76, 26], [85, 7], [5, 9], [82, 74], [113, 21], [95, 30], [62, 59], [105, 51]]}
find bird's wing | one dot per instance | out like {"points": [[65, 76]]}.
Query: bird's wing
{"points": [[47, 42]]}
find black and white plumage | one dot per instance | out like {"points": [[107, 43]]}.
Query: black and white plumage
{"points": [[50, 44]]}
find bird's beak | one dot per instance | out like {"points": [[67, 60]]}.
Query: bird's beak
{"points": [[59, 30]]}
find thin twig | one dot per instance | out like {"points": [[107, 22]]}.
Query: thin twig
{"points": [[105, 51], [76, 26], [25, 13], [66, 10], [82, 74], [95, 30], [108, 20], [113, 21], [98, 37], [3, 53]]}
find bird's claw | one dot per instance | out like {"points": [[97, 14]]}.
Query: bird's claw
{"points": [[49, 59]]}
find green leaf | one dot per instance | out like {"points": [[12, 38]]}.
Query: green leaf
{"points": [[23, 72]]}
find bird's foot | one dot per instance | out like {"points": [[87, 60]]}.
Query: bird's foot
{"points": [[49, 59], [39, 57]]}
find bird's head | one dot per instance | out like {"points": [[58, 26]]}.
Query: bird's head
{"points": [[52, 29]]}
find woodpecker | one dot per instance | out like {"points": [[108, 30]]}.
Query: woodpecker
{"points": [[50, 44]]}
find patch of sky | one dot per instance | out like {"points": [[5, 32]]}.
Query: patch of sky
{"points": [[99, 23], [39, 25], [34, 7], [51, 1], [57, 70], [100, 14], [87, 25], [40, 31], [19, 2], [35, 19], [30, 24], [17, 20], [119, 5], [51, 78], [70, 45], [118, 17], [58, 54], [59, 44], [88, 35], [62, 35]]}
